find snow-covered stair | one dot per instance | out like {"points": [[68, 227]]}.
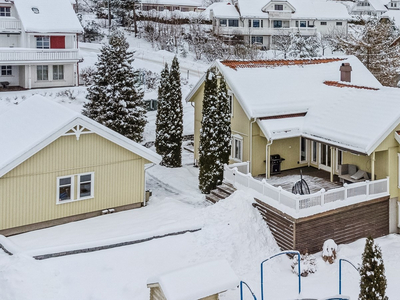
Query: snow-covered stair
{"points": [[221, 192]]}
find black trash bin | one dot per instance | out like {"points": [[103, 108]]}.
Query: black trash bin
{"points": [[275, 163]]}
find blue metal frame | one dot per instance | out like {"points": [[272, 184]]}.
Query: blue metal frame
{"points": [[241, 290], [340, 272], [280, 253]]}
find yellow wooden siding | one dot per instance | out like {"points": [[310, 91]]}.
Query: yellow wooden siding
{"points": [[28, 193], [289, 149], [198, 108]]}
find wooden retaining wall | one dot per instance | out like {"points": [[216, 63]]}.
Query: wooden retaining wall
{"points": [[343, 225]]}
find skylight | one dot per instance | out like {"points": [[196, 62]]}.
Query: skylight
{"points": [[35, 10]]}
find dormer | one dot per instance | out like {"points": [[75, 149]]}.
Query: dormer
{"points": [[278, 6], [5, 9]]}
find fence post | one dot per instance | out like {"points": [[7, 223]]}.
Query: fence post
{"points": [[367, 182], [322, 197], [279, 194], [345, 191], [297, 199], [387, 184]]}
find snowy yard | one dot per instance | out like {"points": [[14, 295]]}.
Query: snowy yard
{"points": [[232, 229]]}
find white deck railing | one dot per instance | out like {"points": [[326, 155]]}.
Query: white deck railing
{"points": [[33, 54], [367, 190], [13, 25]]}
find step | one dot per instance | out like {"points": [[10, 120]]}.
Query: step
{"points": [[229, 184], [226, 189], [212, 198], [219, 194]]}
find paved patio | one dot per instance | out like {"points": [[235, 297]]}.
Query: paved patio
{"points": [[316, 179]]}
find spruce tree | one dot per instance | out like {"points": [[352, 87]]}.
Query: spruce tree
{"points": [[223, 127], [373, 280], [115, 99], [169, 123], [162, 114], [209, 173]]}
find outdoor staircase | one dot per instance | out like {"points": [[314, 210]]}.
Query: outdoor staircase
{"points": [[221, 192]]}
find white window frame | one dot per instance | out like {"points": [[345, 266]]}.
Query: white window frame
{"points": [[306, 154], [5, 11], [337, 159], [56, 71], [91, 187], [237, 138], [75, 180], [72, 177], [5, 70], [43, 67], [43, 42], [324, 166], [314, 162], [230, 99]]}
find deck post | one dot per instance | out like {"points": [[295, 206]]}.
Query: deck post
{"points": [[373, 166], [345, 191], [297, 199], [322, 197], [367, 183]]}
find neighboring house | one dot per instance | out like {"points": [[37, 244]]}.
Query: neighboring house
{"points": [[373, 8], [258, 21], [57, 166], [301, 110], [393, 5], [38, 43], [171, 5]]}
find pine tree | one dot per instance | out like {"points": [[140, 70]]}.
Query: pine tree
{"points": [[377, 46], [373, 280], [174, 119], [209, 173], [223, 127], [162, 114], [114, 97]]}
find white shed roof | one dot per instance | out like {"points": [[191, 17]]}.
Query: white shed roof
{"points": [[197, 281], [33, 124], [54, 16]]}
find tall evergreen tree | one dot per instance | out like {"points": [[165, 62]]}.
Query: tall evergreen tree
{"points": [[373, 280], [223, 128], [208, 148], [162, 114], [115, 99]]}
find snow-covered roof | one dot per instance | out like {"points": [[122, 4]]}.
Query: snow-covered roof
{"points": [[35, 123], [194, 3], [223, 10], [376, 4], [198, 281], [304, 9], [305, 98], [52, 16]]}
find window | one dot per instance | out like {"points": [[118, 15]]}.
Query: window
{"points": [[6, 70], [303, 149], [278, 7], [233, 23], [66, 187], [5, 11], [277, 24], [257, 39], [85, 185], [303, 24], [58, 72], [339, 159], [42, 72], [222, 22], [325, 157], [338, 23], [43, 42], [323, 23], [230, 97], [237, 147], [65, 190], [256, 23], [314, 152]]}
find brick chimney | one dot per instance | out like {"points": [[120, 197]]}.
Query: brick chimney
{"points": [[345, 72]]}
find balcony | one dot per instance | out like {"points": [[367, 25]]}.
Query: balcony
{"points": [[33, 55], [11, 25], [282, 31], [306, 31], [285, 15]]}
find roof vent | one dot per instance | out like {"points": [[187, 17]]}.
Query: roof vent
{"points": [[345, 72], [35, 10]]}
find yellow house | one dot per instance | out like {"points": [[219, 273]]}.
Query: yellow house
{"points": [[57, 166], [323, 113]]}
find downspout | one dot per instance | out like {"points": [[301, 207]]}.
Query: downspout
{"points": [[144, 196], [251, 144], [267, 162]]}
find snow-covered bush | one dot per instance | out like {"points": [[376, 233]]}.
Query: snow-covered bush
{"points": [[70, 94], [86, 75], [150, 79], [308, 265], [329, 251]]}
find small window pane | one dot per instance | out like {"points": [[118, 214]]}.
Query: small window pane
{"points": [[65, 193], [64, 181], [85, 189], [85, 178]]}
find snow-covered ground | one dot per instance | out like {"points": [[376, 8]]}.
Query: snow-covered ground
{"points": [[232, 229]]}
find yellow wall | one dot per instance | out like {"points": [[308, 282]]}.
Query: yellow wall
{"points": [[28, 192], [289, 149]]}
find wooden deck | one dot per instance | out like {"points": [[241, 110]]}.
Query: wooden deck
{"points": [[316, 179]]}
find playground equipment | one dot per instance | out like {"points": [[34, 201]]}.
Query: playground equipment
{"points": [[340, 272], [271, 257], [301, 186], [241, 290]]}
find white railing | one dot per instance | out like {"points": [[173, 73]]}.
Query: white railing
{"points": [[28, 54], [265, 30], [279, 14], [366, 190], [242, 167], [10, 25]]}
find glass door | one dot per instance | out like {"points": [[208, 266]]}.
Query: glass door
{"points": [[325, 158]]}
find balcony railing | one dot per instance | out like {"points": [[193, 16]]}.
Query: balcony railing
{"points": [[360, 191], [11, 25], [34, 55], [279, 15], [265, 30]]}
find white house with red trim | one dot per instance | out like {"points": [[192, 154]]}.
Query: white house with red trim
{"points": [[38, 43]]}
